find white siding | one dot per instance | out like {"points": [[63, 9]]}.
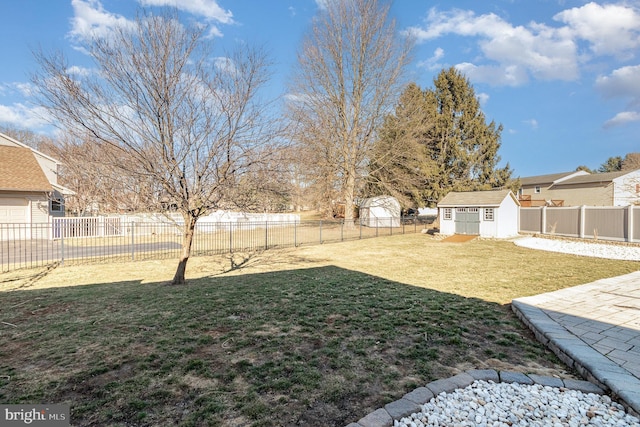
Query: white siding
{"points": [[625, 189]]}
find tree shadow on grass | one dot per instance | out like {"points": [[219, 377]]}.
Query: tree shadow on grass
{"points": [[317, 347]]}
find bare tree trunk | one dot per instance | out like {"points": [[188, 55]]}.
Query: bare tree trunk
{"points": [[187, 240]]}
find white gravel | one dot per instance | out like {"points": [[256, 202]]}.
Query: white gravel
{"points": [[599, 250], [510, 404]]}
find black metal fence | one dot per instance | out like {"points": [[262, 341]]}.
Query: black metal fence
{"points": [[74, 242]]}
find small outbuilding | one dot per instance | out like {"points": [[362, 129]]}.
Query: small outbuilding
{"points": [[494, 213], [380, 211]]}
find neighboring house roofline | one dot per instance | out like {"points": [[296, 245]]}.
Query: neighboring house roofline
{"points": [[63, 190], [600, 178], [40, 153], [550, 179], [20, 171]]}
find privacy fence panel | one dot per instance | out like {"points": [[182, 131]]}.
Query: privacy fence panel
{"points": [[615, 223], [531, 220], [563, 221], [608, 223]]}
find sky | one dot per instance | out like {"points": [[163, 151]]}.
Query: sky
{"points": [[561, 76]]}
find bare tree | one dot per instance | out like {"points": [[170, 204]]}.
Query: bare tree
{"points": [[175, 114], [349, 70]]}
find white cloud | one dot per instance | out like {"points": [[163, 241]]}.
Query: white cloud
{"points": [[432, 63], [483, 98], [533, 123], [25, 89], [515, 52], [22, 116], [610, 29], [90, 19], [623, 82], [208, 9], [79, 71], [623, 118]]}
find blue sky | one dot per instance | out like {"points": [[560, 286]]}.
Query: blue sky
{"points": [[561, 76]]}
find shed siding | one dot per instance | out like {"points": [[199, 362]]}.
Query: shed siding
{"points": [[504, 224]]}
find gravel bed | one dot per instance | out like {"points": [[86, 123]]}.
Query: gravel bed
{"points": [[511, 404], [599, 250]]}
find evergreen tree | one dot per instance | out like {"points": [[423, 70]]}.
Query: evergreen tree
{"points": [[613, 164], [462, 144], [436, 141]]}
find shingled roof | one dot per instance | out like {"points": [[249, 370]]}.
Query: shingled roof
{"points": [[490, 198], [550, 178], [603, 178], [20, 171]]}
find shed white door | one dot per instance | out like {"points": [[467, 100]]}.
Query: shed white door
{"points": [[13, 211]]}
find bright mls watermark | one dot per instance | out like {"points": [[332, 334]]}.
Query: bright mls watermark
{"points": [[34, 415]]}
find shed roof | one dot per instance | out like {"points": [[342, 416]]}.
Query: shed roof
{"points": [[20, 171], [491, 198]]}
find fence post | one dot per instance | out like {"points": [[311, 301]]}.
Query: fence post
{"points": [[266, 235], [581, 221], [543, 221], [133, 233], [630, 224], [62, 248], [230, 237], [295, 233]]}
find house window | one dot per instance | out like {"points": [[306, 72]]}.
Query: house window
{"points": [[446, 213], [488, 214], [538, 190], [57, 205]]}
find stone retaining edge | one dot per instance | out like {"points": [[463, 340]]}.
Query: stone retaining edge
{"points": [[576, 354], [412, 402]]}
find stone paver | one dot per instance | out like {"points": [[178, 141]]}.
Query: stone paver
{"points": [[594, 328]]}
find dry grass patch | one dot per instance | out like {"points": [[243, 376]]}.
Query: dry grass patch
{"points": [[316, 336]]}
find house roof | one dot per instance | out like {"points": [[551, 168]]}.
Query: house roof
{"points": [[11, 141], [20, 171], [491, 198], [550, 178], [594, 178]]}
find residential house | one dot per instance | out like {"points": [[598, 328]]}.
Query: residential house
{"points": [[580, 188], [29, 189]]}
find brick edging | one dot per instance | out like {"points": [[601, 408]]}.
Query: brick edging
{"points": [[412, 402]]}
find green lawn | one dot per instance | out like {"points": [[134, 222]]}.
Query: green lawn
{"points": [[314, 336]]}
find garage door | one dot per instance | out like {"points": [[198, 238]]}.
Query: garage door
{"points": [[13, 211], [467, 221]]}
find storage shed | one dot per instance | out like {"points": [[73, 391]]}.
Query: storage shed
{"points": [[380, 211], [494, 213]]}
